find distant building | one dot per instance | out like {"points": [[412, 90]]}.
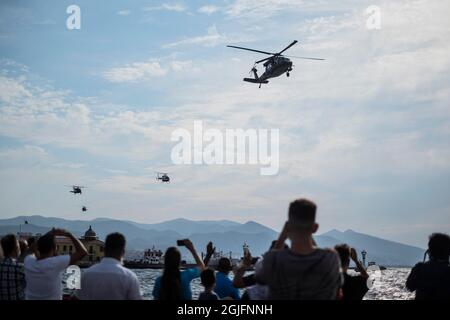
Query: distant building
{"points": [[90, 240]]}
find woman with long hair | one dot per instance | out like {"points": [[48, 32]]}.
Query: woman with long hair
{"points": [[175, 284]]}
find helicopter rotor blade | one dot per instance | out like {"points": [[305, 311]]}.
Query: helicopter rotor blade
{"points": [[262, 60], [259, 51], [308, 58], [293, 42]]}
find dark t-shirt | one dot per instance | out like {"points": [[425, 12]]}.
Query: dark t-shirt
{"points": [[208, 296], [354, 288], [289, 276], [249, 280], [430, 280]]}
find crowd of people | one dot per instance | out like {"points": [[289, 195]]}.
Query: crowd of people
{"points": [[298, 271]]}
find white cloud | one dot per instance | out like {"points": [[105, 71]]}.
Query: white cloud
{"points": [[176, 7], [123, 12], [211, 39], [209, 9], [69, 165], [135, 72], [353, 127]]}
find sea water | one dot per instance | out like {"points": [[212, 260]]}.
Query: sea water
{"points": [[388, 285]]}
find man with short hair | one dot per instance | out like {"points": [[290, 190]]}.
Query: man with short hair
{"points": [[431, 280], [44, 273], [108, 279], [303, 272], [355, 286], [224, 286], [12, 277]]}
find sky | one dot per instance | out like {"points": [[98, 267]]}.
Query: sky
{"points": [[364, 133]]}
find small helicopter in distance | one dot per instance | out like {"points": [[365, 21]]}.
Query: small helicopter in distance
{"points": [[76, 189], [275, 65], [162, 176], [84, 209]]}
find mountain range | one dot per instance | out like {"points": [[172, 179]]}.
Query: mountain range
{"points": [[228, 236]]}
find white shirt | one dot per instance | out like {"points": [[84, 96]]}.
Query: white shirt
{"points": [[109, 280], [44, 277]]}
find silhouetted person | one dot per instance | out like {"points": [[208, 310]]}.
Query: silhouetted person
{"points": [[175, 284], [431, 280], [355, 286], [12, 277], [44, 273], [304, 272], [208, 280], [224, 286], [108, 279]]}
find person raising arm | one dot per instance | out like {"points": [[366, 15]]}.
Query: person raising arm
{"points": [[80, 249], [190, 246], [43, 273]]}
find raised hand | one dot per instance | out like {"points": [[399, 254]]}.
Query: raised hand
{"points": [[189, 245], [210, 249]]}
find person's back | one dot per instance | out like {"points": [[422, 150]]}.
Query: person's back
{"points": [[44, 277], [431, 279], [302, 272], [224, 287], [291, 276], [44, 274], [355, 285], [109, 280], [12, 277], [208, 281]]}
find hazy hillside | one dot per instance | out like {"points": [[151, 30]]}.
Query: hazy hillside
{"points": [[382, 251], [226, 235]]}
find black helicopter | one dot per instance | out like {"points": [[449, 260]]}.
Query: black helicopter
{"points": [[84, 209], [76, 189], [275, 65], [162, 176]]}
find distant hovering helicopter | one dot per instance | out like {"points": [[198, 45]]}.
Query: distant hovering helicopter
{"points": [[76, 189], [275, 65], [162, 176], [84, 209]]}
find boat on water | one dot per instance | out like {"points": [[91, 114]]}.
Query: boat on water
{"points": [[154, 259], [151, 259], [373, 263]]}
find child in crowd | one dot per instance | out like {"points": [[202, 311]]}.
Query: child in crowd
{"points": [[208, 280]]}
